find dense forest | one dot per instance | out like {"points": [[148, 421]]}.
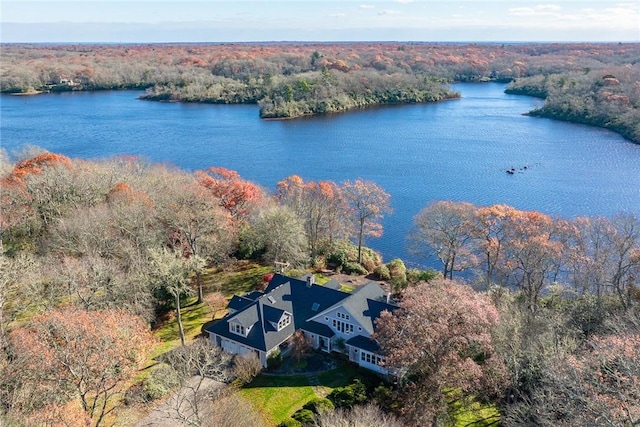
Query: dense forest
{"points": [[546, 328], [589, 83]]}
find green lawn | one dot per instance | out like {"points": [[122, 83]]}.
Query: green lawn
{"points": [[471, 412], [193, 317], [278, 397], [241, 278]]}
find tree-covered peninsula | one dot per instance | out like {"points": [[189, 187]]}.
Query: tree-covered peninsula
{"points": [[608, 98]]}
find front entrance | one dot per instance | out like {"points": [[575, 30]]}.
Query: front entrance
{"points": [[325, 344]]}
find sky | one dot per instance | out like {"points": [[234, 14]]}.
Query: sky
{"points": [[158, 21]]}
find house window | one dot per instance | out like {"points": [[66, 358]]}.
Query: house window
{"points": [[342, 316], [238, 329], [315, 306], [371, 358], [344, 327], [285, 321]]}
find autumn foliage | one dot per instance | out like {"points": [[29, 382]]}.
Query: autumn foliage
{"points": [[36, 164], [585, 82], [238, 196], [70, 353], [440, 341]]}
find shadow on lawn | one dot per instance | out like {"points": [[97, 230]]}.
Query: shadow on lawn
{"points": [[337, 373]]}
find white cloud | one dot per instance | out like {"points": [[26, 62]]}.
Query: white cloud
{"points": [[403, 1], [539, 10], [389, 12], [521, 11], [548, 8], [621, 16], [367, 6], [337, 15]]}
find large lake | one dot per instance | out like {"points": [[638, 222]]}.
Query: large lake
{"points": [[454, 150]]}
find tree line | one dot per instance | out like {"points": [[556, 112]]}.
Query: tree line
{"points": [[531, 251], [292, 80]]}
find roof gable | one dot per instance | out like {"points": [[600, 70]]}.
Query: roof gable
{"points": [[357, 304], [247, 317]]}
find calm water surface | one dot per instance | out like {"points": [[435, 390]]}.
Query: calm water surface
{"points": [[455, 150]]}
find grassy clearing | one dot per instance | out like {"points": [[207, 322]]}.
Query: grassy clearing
{"points": [[194, 316], [278, 397], [471, 412], [242, 277]]}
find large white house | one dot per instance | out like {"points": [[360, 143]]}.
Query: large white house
{"points": [[331, 319]]}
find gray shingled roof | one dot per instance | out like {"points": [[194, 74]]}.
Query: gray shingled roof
{"points": [[239, 302], [247, 317], [364, 343], [262, 336]]}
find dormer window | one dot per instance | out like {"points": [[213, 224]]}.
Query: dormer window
{"points": [[284, 321], [238, 329]]}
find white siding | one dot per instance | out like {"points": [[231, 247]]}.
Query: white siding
{"points": [[370, 361], [338, 317]]}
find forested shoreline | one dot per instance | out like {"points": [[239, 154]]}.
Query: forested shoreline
{"points": [[546, 329], [289, 80], [604, 98]]}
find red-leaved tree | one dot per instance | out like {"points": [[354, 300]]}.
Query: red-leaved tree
{"points": [[439, 342], [235, 194]]}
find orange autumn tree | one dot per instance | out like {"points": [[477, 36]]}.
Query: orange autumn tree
{"points": [[533, 253], [235, 194], [72, 353], [15, 199], [36, 164], [490, 229], [367, 203], [320, 204]]}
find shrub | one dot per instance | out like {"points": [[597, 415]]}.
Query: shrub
{"points": [[319, 405], [354, 269], [398, 273], [318, 263], [344, 252], [382, 271], [160, 382], [416, 276], [267, 277], [304, 416], [290, 422], [246, 368], [347, 397], [386, 398], [274, 360]]}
